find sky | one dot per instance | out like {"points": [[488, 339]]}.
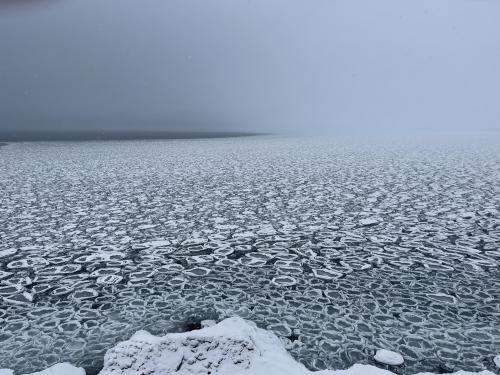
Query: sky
{"points": [[307, 66]]}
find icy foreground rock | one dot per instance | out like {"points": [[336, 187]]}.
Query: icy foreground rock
{"points": [[60, 369], [232, 347]]}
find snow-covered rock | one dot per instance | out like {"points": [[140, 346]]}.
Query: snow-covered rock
{"points": [[58, 369], [389, 358], [61, 369], [233, 346]]}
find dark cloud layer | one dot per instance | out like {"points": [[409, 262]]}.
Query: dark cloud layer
{"points": [[260, 65]]}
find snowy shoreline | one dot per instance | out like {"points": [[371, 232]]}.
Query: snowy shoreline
{"points": [[232, 347]]}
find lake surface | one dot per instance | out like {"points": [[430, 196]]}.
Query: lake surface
{"points": [[339, 247]]}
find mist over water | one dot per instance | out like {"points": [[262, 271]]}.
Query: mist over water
{"points": [[260, 66]]}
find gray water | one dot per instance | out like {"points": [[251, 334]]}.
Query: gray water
{"points": [[339, 247]]}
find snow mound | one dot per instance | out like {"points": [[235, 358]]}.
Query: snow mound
{"points": [[61, 369], [388, 357], [58, 369], [233, 346]]}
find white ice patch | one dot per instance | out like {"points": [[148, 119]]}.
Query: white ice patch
{"points": [[389, 358], [146, 226], [370, 221], [156, 243], [61, 369], [7, 253]]}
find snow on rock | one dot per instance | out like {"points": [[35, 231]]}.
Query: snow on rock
{"points": [[233, 346], [389, 358], [61, 369]]}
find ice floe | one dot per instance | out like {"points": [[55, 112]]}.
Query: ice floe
{"points": [[370, 221], [388, 357]]}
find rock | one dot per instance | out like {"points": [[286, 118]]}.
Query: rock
{"points": [[231, 347], [389, 358]]}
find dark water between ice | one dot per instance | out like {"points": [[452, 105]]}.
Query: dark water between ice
{"points": [[339, 248]]}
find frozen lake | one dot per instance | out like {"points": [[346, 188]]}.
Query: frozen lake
{"points": [[339, 247]]}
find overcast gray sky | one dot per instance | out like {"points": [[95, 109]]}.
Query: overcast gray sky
{"points": [[265, 65]]}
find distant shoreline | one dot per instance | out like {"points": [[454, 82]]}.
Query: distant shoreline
{"points": [[91, 135]]}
